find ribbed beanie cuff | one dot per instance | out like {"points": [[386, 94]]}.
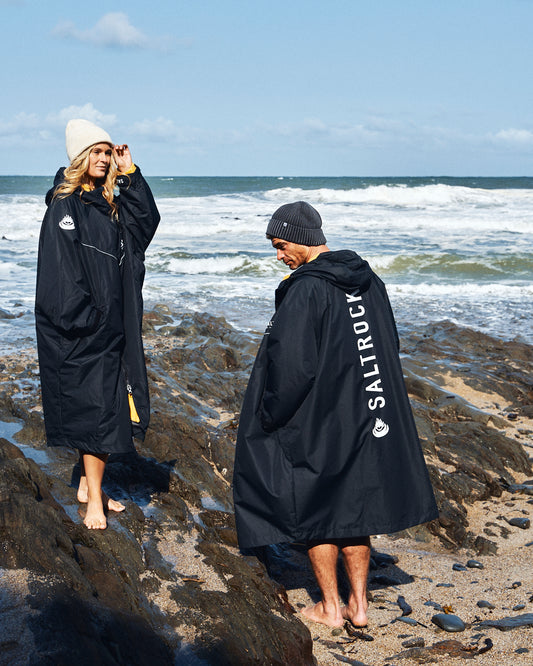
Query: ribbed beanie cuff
{"points": [[297, 223]]}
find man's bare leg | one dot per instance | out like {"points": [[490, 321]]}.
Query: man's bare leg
{"points": [[94, 469], [356, 562], [83, 492], [323, 558]]}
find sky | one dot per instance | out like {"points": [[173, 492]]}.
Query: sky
{"points": [[271, 87]]}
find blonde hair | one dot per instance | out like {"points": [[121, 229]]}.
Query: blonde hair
{"points": [[75, 176]]}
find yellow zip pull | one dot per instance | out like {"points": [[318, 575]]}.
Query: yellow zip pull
{"points": [[133, 412]]}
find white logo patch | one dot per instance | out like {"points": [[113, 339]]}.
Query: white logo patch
{"points": [[66, 223], [380, 428]]}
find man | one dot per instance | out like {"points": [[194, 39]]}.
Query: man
{"points": [[327, 451]]}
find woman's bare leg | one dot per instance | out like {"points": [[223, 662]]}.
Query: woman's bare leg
{"points": [[94, 470], [83, 492]]}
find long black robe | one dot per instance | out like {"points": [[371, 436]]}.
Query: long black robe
{"points": [[327, 446], [88, 312]]}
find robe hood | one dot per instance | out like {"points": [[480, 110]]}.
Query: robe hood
{"points": [[344, 269]]}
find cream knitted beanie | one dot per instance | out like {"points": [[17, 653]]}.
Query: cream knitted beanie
{"points": [[80, 134]]}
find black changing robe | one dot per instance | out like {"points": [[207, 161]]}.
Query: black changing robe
{"points": [[88, 313], [327, 446]]}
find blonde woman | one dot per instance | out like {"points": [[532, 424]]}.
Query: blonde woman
{"points": [[88, 307]]}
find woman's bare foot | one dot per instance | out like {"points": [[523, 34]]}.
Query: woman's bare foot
{"points": [[95, 518], [318, 613], [108, 503]]}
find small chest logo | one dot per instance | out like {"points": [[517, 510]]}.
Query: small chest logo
{"points": [[380, 428], [66, 223]]}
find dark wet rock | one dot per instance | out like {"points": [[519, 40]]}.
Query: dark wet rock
{"points": [[474, 564], [448, 622], [384, 559], [509, 623], [407, 620], [485, 604], [433, 604], [357, 632], [6, 315], [516, 584], [485, 546], [404, 606], [459, 567], [385, 581], [522, 523], [521, 488], [445, 585], [416, 642], [435, 652], [519, 607], [522, 651]]}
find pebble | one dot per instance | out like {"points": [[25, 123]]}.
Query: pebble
{"points": [[459, 567], [388, 581], [508, 623], [404, 606], [474, 564], [337, 631], [407, 620], [445, 585], [448, 622], [414, 643], [519, 607], [522, 651], [485, 604], [516, 584], [522, 523]]}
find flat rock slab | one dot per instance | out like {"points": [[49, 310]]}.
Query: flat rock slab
{"points": [[508, 623]]}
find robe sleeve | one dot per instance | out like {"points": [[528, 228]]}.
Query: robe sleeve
{"points": [[137, 210], [63, 294], [292, 352]]}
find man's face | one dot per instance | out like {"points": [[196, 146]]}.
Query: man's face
{"points": [[291, 254]]}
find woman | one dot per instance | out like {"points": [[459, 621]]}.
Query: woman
{"points": [[88, 307]]}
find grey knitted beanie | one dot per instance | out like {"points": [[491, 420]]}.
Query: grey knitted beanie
{"points": [[297, 223]]}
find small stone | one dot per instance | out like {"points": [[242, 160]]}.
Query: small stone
{"points": [[445, 585], [522, 523], [384, 559], [407, 620], [474, 564], [337, 631], [387, 581], [522, 651], [448, 622], [416, 642], [519, 607], [516, 584], [485, 604], [459, 567], [508, 623], [404, 606]]}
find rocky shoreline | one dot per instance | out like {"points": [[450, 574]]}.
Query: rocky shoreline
{"points": [[166, 584]]}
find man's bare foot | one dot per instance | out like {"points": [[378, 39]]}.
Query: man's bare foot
{"points": [[95, 518], [357, 617], [317, 613], [108, 503]]}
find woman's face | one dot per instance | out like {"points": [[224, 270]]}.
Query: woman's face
{"points": [[99, 161]]}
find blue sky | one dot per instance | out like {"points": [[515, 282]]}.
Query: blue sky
{"points": [[271, 87]]}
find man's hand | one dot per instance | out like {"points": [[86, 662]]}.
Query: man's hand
{"points": [[123, 157]]}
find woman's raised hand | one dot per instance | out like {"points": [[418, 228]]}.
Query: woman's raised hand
{"points": [[123, 157]]}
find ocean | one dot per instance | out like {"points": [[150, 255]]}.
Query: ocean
{"points": [[458, 249]]}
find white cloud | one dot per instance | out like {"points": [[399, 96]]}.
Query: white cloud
{"points": [[87, 111], [29, 129], [112, 30], [516, 137]]}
